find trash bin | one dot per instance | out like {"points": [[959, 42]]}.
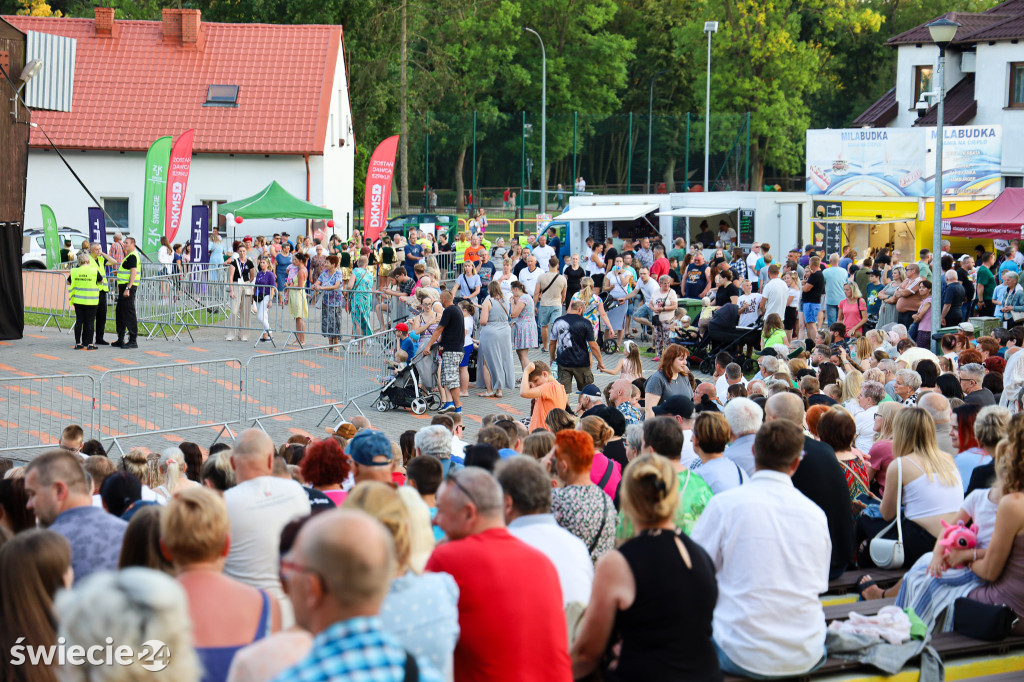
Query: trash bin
{"points": [[693, 307], [984, 326]]}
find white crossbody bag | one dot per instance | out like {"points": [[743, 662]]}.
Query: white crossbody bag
{"points": [[886, 553]]}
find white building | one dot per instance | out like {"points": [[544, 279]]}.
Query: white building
{"points": [[267, 102], [984, 80]]}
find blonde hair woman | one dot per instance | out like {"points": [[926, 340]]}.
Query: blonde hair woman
{"points": [[136, 463], [172, 469], [853, 310], [430, 631], [851, 389], [506, 277], [931, 488], [880, 454], [630, 599], [593, 307]]}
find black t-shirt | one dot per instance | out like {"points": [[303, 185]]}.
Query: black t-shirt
{"points": [[965, 280], [318, 501], [518, 267], [574, 334], [454, 333], [817, 282], [609, 257], [572, 279], [725, 293], [954, 296], [616, 450], [820, 478], [883, 260]]}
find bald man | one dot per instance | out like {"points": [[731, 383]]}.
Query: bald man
{"points": [[937, 405], [495, 571], [259, 507], [338, 574], [820, 478]]}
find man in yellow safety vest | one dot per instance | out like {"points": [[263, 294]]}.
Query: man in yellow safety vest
{"points": [[101, 260], [127, 285], [84, 295]]}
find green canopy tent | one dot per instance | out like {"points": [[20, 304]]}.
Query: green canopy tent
{"points": [[274, 201]]}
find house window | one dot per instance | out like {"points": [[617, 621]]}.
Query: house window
{"points": [[221, 96], [922, 82], [1016, 84], [117, 209]]}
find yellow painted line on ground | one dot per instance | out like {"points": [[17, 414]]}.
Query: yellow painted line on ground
{"points": [[957, 669], [836, 599]]}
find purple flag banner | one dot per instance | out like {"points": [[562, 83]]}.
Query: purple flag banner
{"points": [[98, 227], [200, 234]]}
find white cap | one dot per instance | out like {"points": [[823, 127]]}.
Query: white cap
{"points": [[966, 326]]}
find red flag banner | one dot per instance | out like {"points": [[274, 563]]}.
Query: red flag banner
{"points": [[177, 182], [378, 187]]}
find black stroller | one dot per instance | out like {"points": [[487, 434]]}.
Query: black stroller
{"points": [[403, 391], [725, 334]]}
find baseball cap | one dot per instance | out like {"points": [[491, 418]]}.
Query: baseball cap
{"points": [[370, 448], [590, 389], [401, 327], [678, 405], [966, 327]]}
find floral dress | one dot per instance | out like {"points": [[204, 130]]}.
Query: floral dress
{"points": [[590, 311], [360, 297], [587, 512], [330, 319], [856, 473], [524, 326]]}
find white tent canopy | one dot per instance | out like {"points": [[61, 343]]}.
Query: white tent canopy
{"points": [[698, 211], [611, 212]]}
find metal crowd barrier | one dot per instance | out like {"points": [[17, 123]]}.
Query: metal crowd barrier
{"points": [[46, 293], [142, 401], [368, 366], [275, 386], [50, 403]]}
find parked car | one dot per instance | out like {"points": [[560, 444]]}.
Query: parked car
{"points": [[404, 223], [33, 256]]}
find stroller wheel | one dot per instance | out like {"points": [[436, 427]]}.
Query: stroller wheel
{"points": [[707, 365], [749, 365], [434, 401], [608, 346], [419, 406], [382, 404]]}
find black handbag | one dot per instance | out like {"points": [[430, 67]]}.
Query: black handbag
{"points": [[987, 622]]}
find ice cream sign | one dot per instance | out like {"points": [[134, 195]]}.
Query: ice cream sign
{"points": [[897, 162]]}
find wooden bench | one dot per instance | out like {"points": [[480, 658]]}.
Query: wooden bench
{"points": [[847, 582], [865, 608]]}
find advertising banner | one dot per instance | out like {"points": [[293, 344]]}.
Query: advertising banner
{"points": [[895, 162], [50, 237], [377, 203], [200, 234], [177, 182], [98, 227], [153, 202], [971, 159]]}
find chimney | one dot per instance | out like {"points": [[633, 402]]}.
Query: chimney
{"points": [[190, 26], [181, 26], [104, 21]]}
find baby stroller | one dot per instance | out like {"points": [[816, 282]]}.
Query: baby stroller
{"points": [[723, 334], [403, 391]]}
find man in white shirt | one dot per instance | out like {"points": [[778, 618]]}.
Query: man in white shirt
{"points": [[744, 417], [752, 258], [647, 288], [530, 274], [733, 375], [776, 293], [871, 393], [259, 508], [749, 304], [771, 550], [542, 251], [527, 491]]}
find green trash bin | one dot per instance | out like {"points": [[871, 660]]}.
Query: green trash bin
{"points": [[693, 307]]}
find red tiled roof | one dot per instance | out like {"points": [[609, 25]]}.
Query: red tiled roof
{"points": [[879, 113], [1007, 29], [136, 86], [960, 107], [970, 22]]}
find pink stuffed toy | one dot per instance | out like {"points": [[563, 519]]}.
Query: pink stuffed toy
{"points": [[958, 536]]}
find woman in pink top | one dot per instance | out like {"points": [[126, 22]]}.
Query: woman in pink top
{"points": [[605, 472], [325, 466], [853, 310]]}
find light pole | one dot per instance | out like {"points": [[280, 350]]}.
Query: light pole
{"points": [[543, 122], [942, 32], [710, 27], [650, 129]]}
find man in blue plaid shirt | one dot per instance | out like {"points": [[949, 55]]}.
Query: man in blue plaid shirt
{"points": [[337, 576]]}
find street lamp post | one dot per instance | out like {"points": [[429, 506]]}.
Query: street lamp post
{"points": [[543, 122], [942, 32], [710, 27], [650, 129]]}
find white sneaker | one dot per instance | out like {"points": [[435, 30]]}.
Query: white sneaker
{"points": [[245, 338], [229, 338]]}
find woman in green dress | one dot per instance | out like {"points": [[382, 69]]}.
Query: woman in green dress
{"points": [[360, 289]]}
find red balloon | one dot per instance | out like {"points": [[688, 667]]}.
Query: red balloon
{"points": [[330, 223], [238, 219]]}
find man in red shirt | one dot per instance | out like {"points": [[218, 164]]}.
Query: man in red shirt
{"points": [[473, 251], [510, 601], [660, 266]]}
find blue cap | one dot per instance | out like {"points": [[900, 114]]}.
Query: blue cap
{"points": [[590, 389], [370, 448]]}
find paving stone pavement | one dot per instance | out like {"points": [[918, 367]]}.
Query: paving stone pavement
{"points": [[174, 396]]}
